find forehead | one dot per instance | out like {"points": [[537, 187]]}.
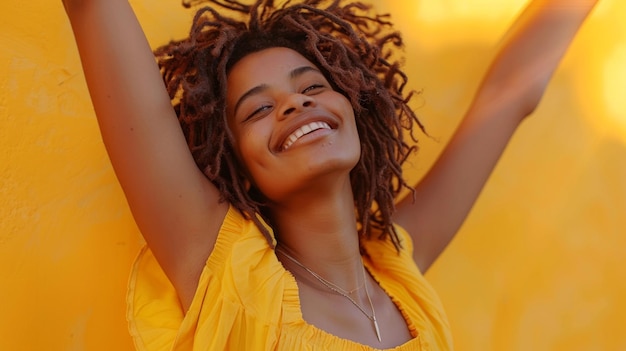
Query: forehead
{"points": [[263, 67]]}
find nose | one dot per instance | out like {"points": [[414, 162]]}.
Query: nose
{"points": [[295, 102]]}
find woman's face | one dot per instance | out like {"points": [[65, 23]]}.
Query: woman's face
{"points": [[291, 128]]}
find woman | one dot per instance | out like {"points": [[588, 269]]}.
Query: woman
{"points": [[279, 230]]}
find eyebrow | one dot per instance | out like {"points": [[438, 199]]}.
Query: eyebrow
{"points": [[295, 73]]}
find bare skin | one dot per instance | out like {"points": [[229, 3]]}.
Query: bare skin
{"points": [[177, 208], [312, 204]]}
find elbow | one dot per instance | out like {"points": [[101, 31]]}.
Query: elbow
{"points": [[531, 90], [528, 108], [530, 101], [522, 99]]}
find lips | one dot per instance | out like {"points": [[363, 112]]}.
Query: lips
{"points": [[302, 131]]}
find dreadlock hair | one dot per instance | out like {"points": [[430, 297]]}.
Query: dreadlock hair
{"points": [[350, 47]]}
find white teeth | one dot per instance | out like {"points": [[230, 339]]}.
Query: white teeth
{"points": [[304, 130]]}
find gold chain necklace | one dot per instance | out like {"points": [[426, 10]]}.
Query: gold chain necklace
{"points": [[330, 285]]}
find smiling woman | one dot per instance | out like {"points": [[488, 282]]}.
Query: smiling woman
{"points": [[264, 174], [290, 121]]}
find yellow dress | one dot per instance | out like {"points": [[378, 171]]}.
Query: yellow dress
{"points": [[246, 300]]}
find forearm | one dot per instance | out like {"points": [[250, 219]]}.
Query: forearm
{"points": [[119, 67], [510, 90], [131, 103], [531, 52]]}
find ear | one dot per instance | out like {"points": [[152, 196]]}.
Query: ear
{"points": [[246, 184]]}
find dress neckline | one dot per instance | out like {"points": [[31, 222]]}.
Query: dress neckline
{"points": [[292, 318]]}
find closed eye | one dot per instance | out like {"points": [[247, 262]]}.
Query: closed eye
{"points": [[258, 111], [313, 88]]}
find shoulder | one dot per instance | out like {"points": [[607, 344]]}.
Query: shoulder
{"points": [[382, 250], [241, 282]]}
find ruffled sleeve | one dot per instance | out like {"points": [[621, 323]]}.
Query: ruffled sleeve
{"points": [[239, 293]]}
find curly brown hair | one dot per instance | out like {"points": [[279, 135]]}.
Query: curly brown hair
{"points": [[352, 48]]}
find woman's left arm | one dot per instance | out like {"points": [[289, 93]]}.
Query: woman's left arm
{"points": [[510, 91]]}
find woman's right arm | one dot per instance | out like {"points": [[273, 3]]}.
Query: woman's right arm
{"points": [[175, 206]]}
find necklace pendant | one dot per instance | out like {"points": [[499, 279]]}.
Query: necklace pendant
{"points": [[331, 286], [376, 328]]}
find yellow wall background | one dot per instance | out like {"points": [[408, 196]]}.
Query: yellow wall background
{"points": [[539, 265]]}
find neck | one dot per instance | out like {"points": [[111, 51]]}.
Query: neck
{"points": [[319, 230]]}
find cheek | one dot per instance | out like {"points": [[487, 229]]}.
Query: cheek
{"points": [[253, 148], [353, 125]]}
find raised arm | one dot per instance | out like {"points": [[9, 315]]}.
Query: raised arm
{"points": [[175, 206], [510, 90]]}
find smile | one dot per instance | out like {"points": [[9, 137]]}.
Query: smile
{"points": [[304, 130]]}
